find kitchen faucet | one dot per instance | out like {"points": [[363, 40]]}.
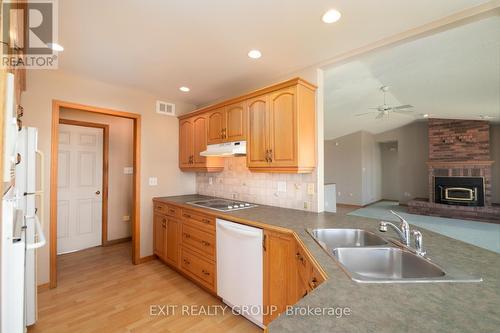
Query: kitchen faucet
{"points": [[403, 231]]}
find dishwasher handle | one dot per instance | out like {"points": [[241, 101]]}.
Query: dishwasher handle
{"points": [[41, 237], [237, 231]]}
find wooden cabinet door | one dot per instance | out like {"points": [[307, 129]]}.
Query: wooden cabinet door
{"points": [[159, 228], [283, 127], [258, 129], [280, 273], [235, 122], [216, 125], [199, 140], [186, 143], [172, 242]]}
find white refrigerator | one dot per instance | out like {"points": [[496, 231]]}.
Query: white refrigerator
{"points": [[21, 231]]}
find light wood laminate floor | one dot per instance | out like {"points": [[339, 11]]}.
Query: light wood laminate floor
{"points": [[101, 291]]}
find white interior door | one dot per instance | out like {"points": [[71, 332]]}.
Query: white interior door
{"points": [[79, 194]]}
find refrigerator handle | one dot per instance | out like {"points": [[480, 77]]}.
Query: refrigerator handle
{"points": [[41, 237], [42, 182]]}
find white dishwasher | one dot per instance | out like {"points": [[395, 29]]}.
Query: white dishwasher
{"points": [[240, 269]]}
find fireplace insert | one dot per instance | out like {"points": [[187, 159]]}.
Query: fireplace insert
{"points": [[462, 191]]}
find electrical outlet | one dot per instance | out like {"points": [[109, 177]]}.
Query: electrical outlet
{"points": [[310, 188], [210, 181], [339, 194], [126, 218], [281, 186], [153, 181], [128, 170], [306, 205]]}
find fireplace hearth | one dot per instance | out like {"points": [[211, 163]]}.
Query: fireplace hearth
{"points": [[459, 191]]}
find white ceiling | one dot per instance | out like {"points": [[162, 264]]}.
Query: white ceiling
{"points": [[451, 74], [160, 45]]}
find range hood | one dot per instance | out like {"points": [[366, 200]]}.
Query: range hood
{"points": [[226, 149]]}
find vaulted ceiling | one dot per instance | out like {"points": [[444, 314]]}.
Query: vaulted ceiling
{"points": [[160, 45], [450, 74]]}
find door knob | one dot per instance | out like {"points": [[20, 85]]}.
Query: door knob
{"points": [[97, 192]]}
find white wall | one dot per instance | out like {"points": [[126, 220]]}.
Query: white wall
{"points": [[413, 153], [371, 169], [159, 139], [390, 171]]}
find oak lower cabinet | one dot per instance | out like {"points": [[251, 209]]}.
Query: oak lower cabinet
{"points": [[280, 274], [289, 273], [159, 232], [192, 141], [166, 238]]}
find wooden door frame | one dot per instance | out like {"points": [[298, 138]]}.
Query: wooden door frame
{"points": [[136, 217], [105, 169]]}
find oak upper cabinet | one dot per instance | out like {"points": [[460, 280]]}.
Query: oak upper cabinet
{"points": [[280, 273], [159, 232], [192, 141], [216, 126], [282, 130], [236, 122], [258, 132], [199, 140], [186, 143], [227, 124]]}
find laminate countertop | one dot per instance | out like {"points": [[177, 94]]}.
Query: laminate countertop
{"points": [[409, 307]]}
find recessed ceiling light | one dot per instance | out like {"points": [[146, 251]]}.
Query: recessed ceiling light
{"points": [[331, 16], [254, 54], [184, 89], [425, 115], [55, 47]]}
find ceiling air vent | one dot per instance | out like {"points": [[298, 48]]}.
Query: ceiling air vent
{"points": [[164, 108]]}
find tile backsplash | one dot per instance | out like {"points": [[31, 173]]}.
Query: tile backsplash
{"points": [[237, 182]]}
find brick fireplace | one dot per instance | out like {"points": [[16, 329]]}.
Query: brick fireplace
{"points": [[459, 172]]}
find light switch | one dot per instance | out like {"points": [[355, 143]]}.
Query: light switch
{"points": [[210, 180], [126, 218], [128, 170], [153, 181], [281, 186]]}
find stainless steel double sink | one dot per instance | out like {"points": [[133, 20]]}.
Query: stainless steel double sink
{"points": [[369, 258]]}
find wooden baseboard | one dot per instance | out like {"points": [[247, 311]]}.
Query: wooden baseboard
{"points": [[43, 287], [117, 241], [147, 258]]}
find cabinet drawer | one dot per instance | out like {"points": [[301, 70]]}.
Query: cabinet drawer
{"points": [[198, 240], [200, 270], [163, 208], [199, 220]]}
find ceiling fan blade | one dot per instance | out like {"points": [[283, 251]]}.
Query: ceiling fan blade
{"points": [[364, 114], [400, 107], [402, 111]]}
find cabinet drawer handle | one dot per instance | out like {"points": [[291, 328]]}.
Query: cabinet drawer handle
{"points": [[205, 243], [187, 235], [206, 221], [171, 210], [314, 283], [187, 215], [159, 207], [205, 272], [300, 258], [186, 261]]}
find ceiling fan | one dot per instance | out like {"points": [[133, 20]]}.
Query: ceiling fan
{"points": [[384, 110]]}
